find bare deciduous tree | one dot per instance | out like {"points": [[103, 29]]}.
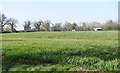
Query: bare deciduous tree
{"points": [[27, 25], [38, 24], [3, 21], [57, 27], [46, 25], [67, 26], [12, 24]]}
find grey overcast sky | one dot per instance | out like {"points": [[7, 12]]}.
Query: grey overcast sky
{"points": [[60, 11]]}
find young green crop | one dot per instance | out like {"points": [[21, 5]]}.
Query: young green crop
{"points": [[62, 50]]}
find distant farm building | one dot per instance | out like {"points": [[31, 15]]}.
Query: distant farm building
{"points": [[97, 29], [73, 30]]}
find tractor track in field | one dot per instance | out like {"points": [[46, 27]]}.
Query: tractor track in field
{"points": [[78, 68], [74, 68]]}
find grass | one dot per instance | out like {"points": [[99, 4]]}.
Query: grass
{"points": [[60, 51]]}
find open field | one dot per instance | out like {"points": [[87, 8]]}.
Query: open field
{"points": [[60, 51]]}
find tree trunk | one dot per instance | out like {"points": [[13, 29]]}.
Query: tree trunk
{"points": [[1, 29]]}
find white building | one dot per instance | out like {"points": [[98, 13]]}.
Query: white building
{"points": [[97, 29]]}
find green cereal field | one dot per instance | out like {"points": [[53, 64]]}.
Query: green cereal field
{"points": [[60, 51]]}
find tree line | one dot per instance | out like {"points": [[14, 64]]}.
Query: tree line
{"points": [[9, 25]]}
